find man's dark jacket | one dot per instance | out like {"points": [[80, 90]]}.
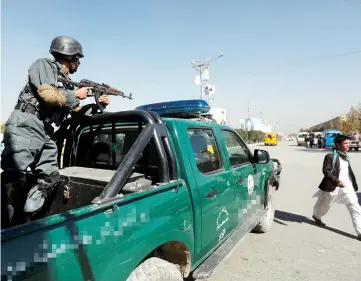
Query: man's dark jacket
{"points": [[330, 180]]}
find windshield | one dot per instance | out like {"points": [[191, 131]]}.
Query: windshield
{"points": [[270, 135], [332, 135]]}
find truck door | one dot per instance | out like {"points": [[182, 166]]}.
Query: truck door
{"points": [[215, 187], [246, 178]]}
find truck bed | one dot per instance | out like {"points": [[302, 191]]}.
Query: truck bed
{"points": [[84, 184], [99, 177]]}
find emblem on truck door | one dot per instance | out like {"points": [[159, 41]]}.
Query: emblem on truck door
{"points": [[250, 184]]}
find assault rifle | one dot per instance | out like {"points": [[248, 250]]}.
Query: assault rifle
{"points": [[97, 91]]}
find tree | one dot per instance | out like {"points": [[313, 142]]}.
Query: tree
{"points": [[346, 127], [250, 136], [353, 119], [347, 124], [331, 125]]}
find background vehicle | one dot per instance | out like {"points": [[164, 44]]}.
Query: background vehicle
{"points": [[139, 192], [301, 138], [290, 138], [329, 136], [354, 144], [270, 138]]}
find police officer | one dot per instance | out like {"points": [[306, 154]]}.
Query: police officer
{"points": [[27, 136]]}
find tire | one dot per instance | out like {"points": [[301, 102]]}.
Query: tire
{"points": [[266, 221], [155, 269], [356, 148]]}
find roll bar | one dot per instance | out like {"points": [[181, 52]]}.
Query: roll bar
{"points": [[154, 128]]}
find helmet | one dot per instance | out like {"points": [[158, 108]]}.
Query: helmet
{"points": [[66, 45]]}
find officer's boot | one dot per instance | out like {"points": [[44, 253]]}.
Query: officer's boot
{"points": [[38, 195]]}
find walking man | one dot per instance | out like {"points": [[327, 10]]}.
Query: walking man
{"points": [[27, 137], [338, 185]]}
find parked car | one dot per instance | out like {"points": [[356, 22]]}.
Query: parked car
{"points": [[354, 144], [142, 195], [301, 138]]}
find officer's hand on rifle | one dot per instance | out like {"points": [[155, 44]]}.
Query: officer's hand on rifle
{"points": [[82, 93], [103, 99]]}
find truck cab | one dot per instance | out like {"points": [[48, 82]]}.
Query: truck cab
{"points": [[158, 189]]}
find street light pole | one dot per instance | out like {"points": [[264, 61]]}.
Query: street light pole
{"points": [[249, 109], [200, 66], [249, 105], [200, 78]]}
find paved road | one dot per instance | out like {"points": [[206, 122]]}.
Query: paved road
{"points": [[295, 249]]}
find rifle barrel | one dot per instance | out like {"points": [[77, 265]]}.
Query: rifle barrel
{"points": [[103, 88]]}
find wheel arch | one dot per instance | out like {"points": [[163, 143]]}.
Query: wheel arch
{"points": [[175, 251]]}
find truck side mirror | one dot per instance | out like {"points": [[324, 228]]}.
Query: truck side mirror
{"points": [[261, 156]]}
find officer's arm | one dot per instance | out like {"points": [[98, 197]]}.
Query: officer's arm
{"points": [[41, 72]]}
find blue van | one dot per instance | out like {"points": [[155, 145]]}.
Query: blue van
{"points": [[328, 137]]}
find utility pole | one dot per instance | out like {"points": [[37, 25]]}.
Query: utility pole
{"points": [[249, 110], [249, 105], [202, 67], [277, 126]]}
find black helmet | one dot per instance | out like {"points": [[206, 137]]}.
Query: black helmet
{"points": [[66, 45]]}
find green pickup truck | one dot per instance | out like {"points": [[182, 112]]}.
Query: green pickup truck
{"points": [[155, 193]]}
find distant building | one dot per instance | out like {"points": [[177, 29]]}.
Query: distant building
{"points": [[330, 124]]}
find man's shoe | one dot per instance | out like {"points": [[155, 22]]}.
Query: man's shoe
{"points": [[318, 221]]}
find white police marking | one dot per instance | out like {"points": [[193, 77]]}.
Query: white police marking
{"points": [[250, 184]]}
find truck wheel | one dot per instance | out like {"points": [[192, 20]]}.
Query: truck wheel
{"points": [[155, 269], [356, 148], [266, 221]]}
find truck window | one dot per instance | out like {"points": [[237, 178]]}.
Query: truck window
{"points": [[205, 150], [95, 150], [237, 151]]}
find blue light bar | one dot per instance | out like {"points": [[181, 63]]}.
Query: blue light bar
{"points": [[177, 107]]}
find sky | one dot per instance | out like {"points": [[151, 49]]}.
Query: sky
{"points": [[297, 62]]}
